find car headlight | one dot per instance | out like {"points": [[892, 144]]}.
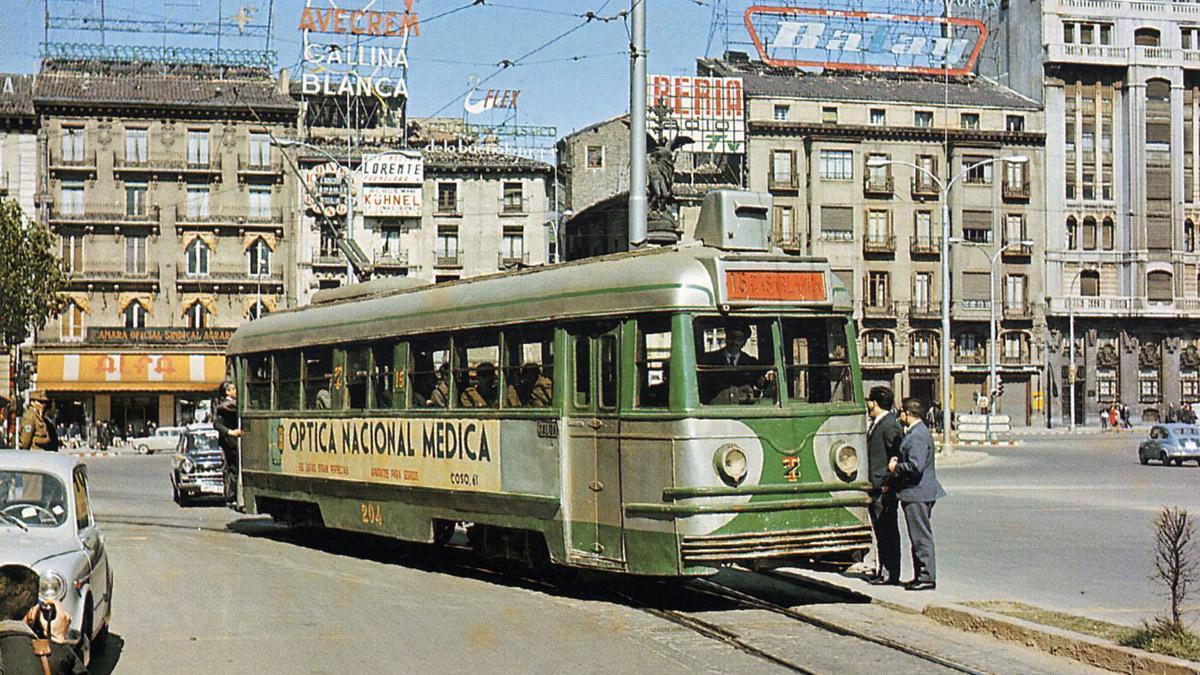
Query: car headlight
{"points": [[52, 586], [187, 465], [731, 464], [845, 461]]}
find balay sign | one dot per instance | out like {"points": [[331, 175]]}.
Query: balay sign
{"points": [[834, 39]]}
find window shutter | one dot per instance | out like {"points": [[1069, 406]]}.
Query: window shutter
{"points": [[1158, 232], [975, 285], [837, 219], [1089, 285], [1158, 287], [977, 220], [1158, 132]]}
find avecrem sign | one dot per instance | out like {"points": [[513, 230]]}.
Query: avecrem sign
{"points": [[804, 37]]}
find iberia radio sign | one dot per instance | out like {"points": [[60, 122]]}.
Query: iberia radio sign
{"points": [[835, 39]]}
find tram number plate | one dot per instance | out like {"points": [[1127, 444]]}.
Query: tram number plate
{"points": [[547, 428], [371, 513], [770, 285]]}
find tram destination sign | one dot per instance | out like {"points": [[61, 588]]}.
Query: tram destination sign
{"points": [[452, 454], [775, 286], [836, 39]]}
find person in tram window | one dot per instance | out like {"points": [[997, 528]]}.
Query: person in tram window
{"points": [[729, 374], [482, 391], [440, 395], [531, 390]]}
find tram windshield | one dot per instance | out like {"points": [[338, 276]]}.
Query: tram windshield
{"points": [[736, 361]]}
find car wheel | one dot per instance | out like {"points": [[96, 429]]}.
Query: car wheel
{"points": [[1143, 459], [85, 640], [1178, 462], [143, 450]]}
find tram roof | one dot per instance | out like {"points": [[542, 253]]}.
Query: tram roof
{"points": [[671, 278]]}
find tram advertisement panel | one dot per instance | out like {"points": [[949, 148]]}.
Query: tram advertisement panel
{"points": [[455, 454]]}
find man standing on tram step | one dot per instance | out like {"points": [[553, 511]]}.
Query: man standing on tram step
{"points": [[883, 444], [915, 480], [229, 434]]}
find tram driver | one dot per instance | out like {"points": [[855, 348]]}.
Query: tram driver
{"points": [[729, 375]]}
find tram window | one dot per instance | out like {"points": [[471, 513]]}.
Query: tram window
{"points": [[358, 370], [583, 371], [429, 373], [735, 361], [258, 382], [383, 381], [818, 362], [319, 380], [653, 362], [287, 381], [475, 376], [529, 369], [608, 371]]}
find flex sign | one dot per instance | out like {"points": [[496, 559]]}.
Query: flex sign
{"points": [[804, 37], [709, 110]]}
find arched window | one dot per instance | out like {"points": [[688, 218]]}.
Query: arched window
{"points": [[1089, 233], [135, 315], [1159, 288], [197, 315], [877, 346], [1146, 37], [971, 347], [1189, 235], [923, 346], [1089, 283], [1072, 232], [197, 258], [71, 322], [257, 310], [259, 255], [1108, 232]]}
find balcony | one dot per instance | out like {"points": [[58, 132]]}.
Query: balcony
{"points": [[85, 162], [447, 208], [329, 258], [1016, 251], [976, 357], [443, 259], [885, 359], [113, 271], [1022, 359], [925, 246], [1022, 310], [782, 183], [507, 261], [510, 206], [879, 186], [924, 310], [151, 164], [924, 189], [879, 244], [101, 213], [1015, 191], [879, 310], [271, 168], [971, 309], [231, 216], [923, 360], [391, 258]]}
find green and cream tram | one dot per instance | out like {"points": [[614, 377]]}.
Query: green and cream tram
{"points": [[659, 412]]}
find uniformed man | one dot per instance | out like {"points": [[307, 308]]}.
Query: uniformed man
{"points": [[35, 435], [531, 390], [482, 391]]}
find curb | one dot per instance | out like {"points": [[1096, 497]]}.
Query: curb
{"points": [[988, 443], [1083, 648], [98, 454]]}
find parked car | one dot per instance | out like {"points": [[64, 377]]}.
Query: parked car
{"points": [[163, 440], [46, 523], [1171, 443], [199, 469]]}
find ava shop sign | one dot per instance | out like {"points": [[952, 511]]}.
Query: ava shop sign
{"points": [[813, 37]]}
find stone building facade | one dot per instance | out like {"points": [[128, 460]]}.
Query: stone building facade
{"points": [[174, 217], [18, 160], [1120, 81]]}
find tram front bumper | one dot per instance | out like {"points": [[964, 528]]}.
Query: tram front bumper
{"points": [[828, 542]]}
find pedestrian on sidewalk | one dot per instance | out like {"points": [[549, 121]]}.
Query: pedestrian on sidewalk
{"points": [[914, 476], [883, 445], [1113, 419], [1104, 419]]}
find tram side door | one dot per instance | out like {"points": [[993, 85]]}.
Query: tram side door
{"points": [[593, 452]]}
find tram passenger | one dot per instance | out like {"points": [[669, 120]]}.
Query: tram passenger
{"points": [[730, 375], [440, 395], [531, 390], [482, 391]]}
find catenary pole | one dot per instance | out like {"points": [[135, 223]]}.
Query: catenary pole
{"points": [[637, 125]]}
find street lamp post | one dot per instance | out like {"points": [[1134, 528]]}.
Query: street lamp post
{"points": [[1071, 337], [347, 178], [944, 192]]}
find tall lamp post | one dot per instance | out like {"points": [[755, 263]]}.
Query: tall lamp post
{"points": [[944, 193], [993, 377], [1071, 322], [347, 179]]}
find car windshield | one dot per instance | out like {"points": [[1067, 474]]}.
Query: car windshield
{"points": [[203, 442], [32, 498]]}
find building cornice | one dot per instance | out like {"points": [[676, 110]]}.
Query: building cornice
{"points": [[897, 133]]}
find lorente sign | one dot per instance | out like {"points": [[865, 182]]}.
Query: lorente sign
{"points": [[810, 37], [395, 168], [454, 454]]}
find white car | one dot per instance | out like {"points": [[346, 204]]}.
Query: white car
{"points": [[46, 523], [164, 440]]}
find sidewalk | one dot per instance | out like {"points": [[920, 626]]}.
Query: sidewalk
{"points": [[1025, 432], [113, 451], [950, 610]]}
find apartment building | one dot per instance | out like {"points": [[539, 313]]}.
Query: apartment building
{"points": [[1120, 80], [812, 140], [18, 160], [172, 211]]}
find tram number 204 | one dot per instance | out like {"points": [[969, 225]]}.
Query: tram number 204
{"points": [[464, 479], [371, 513]]}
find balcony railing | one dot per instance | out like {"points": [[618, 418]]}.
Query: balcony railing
{"points": [[503, 260], [973, 308], [880, 310], [1015, 250], [1123, 305], [924, 189], [919, 245], [274, 165], [785, 183], [102, 213], [448, 208], [923, 360], [1015, 190], [447, 259], [879, 186], [924, 310], [977, 357], [184, 214], [877, 359], [153, 162], [114, 270], [1015, 359], [510, 206], [1022, 310], [87, 161], [879, 243], [391, 258]]}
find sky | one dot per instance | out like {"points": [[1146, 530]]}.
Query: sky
{"points": [[580, 78]]}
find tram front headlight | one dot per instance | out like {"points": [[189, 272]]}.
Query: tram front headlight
{"points": [[731, 464], [845, 461]]}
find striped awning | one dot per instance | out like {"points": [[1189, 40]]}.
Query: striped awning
{"points": [[123, 371]]}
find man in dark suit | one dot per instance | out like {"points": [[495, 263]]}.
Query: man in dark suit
{"points": [[883, 443], [915, 480], [730, 375]]}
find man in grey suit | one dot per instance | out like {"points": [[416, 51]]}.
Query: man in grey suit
{"points": [[883, 443], [914, 478]]}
